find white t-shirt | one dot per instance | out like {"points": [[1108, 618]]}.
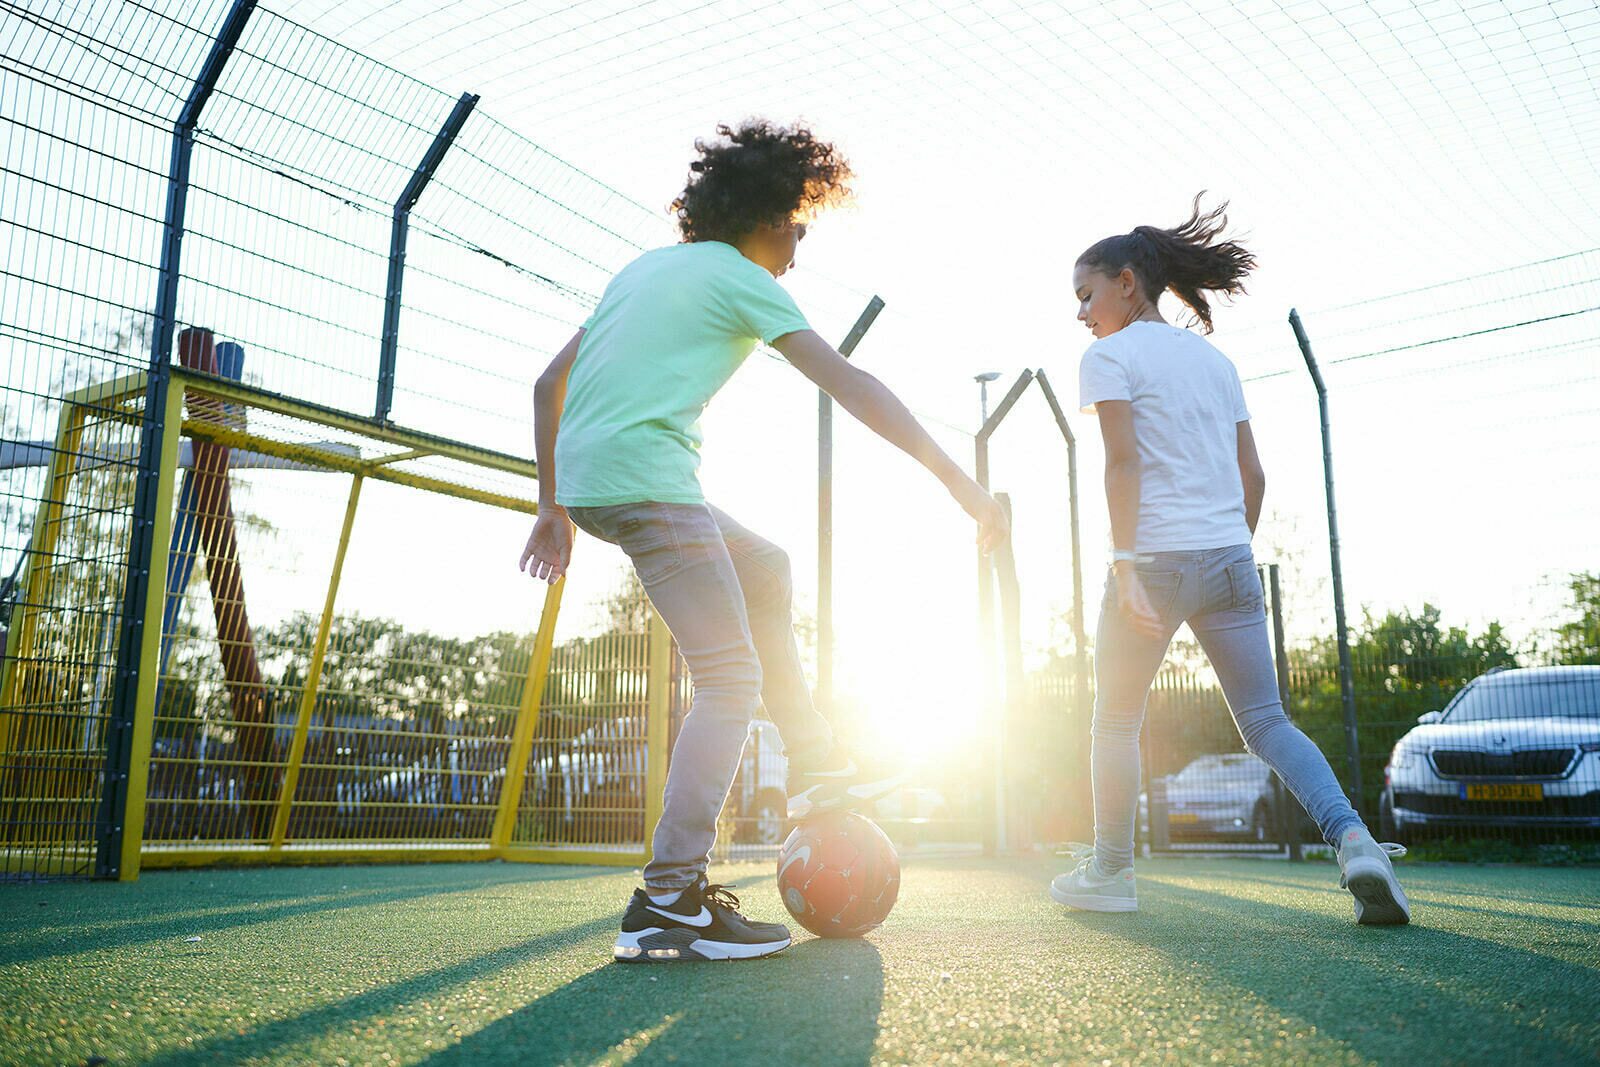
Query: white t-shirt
{"points": [[1187, 402]]}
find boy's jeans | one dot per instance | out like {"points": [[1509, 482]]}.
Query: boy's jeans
{"points": [[1218, 592], [726, 596]]}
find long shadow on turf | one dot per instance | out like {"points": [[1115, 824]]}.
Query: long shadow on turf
{"points": [[342, 1015], [65, 938], [699, 1013], [1476, 1000], [1434, 885]]}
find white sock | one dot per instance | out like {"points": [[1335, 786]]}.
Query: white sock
{"points": [[666, 899]]}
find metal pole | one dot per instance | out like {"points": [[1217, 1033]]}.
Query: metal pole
{"points": [[1011, 827], [1291, 825], [1346, 679], [397, 246], [1079, 638], [824, 694], [986, 632], [147, 501]]}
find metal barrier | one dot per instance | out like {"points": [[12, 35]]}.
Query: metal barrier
{"points": [[331, 736]]}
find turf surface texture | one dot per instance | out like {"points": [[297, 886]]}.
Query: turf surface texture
{"points": [[1229, 961]]}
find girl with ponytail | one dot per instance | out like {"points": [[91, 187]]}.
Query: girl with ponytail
{"points": [[1185, 485]]}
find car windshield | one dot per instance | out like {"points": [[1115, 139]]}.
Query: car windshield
{"points": [[1576, 697]]}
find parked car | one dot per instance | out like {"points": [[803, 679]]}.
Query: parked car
{"points": [[1516, 748], [760, 797], [590, 788], [1224, 795]]}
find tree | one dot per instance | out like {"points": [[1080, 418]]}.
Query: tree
{"points": [[1578, 641], [1403, 664]]}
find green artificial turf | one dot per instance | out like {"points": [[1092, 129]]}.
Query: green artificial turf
{"points": [[1230, 961]]}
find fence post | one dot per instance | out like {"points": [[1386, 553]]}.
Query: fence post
{"points": [[824, 694], [152, 502], [658, 701], [505, 816], [397, 246], [992, 812], [1347, 688], [1080, 640], [1290, 824], [1012, 825], [308, 695]]}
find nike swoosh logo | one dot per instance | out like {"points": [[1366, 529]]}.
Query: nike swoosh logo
{"points": [[802, 856], [703, 919]]}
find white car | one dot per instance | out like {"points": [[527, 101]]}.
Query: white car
{"points": [[1222, 795], [1516, 748], [760, 796]]}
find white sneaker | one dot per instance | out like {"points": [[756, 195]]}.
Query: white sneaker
{"points": [[1368, 874], [1089, 888]]}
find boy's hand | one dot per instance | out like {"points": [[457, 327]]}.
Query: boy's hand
{"points": [[993, 526], [549, 546]]}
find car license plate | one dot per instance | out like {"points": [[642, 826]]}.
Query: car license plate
{"points": [[1503, 791], [1183, 817]]}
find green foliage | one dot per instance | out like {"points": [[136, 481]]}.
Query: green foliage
{"points": [[1402, 665], [1578, 641]]}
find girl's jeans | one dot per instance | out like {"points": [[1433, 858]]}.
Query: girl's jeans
{"points": [[726, 596], [1218, 593]]}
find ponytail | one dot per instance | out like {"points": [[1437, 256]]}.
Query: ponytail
{"points": [[1187, 259]]}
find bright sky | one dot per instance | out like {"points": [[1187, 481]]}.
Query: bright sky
{"points": [[1373, 152], [1368, 149]]}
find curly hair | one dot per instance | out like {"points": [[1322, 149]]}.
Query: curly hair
{"points": [[759, 174], [1187, 259]]}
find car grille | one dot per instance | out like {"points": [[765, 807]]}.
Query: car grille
{"points": [[1523, 763], [1428, 804]]}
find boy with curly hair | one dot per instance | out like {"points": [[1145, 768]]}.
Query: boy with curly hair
{"points": [[617, 443]]}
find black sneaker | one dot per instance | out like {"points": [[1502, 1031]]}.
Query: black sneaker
{"points": [[702, 924], [838, 784]]}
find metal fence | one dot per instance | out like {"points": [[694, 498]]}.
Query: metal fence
{"points": [[1471, 744], [246, 273]]}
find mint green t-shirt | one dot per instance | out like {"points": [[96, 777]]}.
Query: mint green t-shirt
{"points": [[670, 331]]}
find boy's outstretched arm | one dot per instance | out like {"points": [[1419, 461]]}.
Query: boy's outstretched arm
{"points": [[549, 546], [881, 411]]}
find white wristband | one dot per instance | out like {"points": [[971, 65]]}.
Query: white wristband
{"points": [[1120, 556]]}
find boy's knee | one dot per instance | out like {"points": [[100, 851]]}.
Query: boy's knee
{"points": [[733, 683]]}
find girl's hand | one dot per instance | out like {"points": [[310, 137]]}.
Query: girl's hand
{"points": [[549, 546], [1134, 602], [993, 526]]}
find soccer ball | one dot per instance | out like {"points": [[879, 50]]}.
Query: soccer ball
{"points": [[838, 875]]}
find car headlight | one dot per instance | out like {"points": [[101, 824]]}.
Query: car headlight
{"points": [[1403, 757]]}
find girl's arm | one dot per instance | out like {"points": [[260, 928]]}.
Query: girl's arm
{"points": [[881, 411], [1122, 497], [1122, 473], [1251, 474], [550, 544]]}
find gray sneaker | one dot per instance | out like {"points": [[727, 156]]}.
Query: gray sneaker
{"points": [[1089, 888], [1368, 874]]}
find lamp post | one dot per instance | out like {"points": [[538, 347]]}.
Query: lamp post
{"points": [[983, 381]]}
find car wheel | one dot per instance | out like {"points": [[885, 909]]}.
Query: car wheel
{"points": [[1260, 825], [1388, 825], [767, 817]]}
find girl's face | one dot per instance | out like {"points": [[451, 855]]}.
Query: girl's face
{"points": [[1106, 303]]}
